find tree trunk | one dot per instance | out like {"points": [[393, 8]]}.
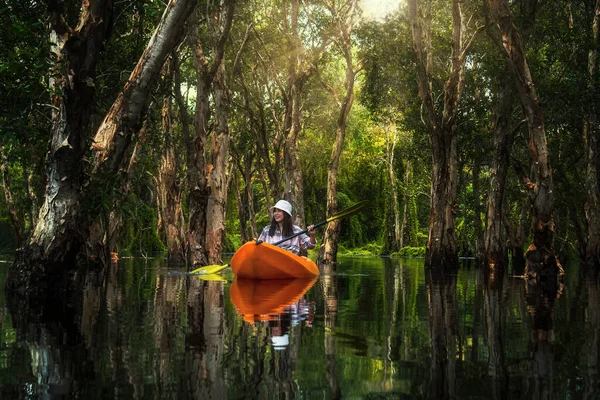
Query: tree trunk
{"points": [[516, 238], [242, 209], [405, 231], [591, 135], [441, 245], [293, 188], [331, 237], [203, 235], [56, 233], [218, 181], [540, 255], [168, 191], [125, 119], [478, 227], [392, 224], [494, 246]]}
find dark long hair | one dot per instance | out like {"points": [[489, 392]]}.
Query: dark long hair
{"points": [[288, 226]]}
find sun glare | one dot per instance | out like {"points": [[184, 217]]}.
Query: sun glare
{"points": [[378, 9]]}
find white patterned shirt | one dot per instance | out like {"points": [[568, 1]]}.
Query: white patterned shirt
{"points": [[294, 244]]}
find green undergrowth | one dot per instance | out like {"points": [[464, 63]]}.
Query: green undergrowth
{"points": [[409, 252]]}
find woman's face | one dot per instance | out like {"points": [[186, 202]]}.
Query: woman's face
{"points": [[278, 215]]}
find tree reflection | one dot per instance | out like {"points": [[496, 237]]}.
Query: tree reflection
{"points": [[495, 301], [590, 352], [541, 297], [203, 378], [441, 293], [330, 299]]}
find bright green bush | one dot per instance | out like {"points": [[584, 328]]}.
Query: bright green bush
{"points": [[410, 252]]}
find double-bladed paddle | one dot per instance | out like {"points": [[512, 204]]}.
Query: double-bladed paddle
{"points": [[344, 213], [213, 269]]}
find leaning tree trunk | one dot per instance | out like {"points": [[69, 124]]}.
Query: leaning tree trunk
{"points": [[331, 237], [540, 255], [125, 118], [76, 51], [441, 245], [591, 134]]}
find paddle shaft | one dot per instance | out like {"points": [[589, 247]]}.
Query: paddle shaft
{"points": [[315, 226], [343, 213]]}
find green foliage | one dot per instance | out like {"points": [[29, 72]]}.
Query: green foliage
{"points": [[410, 252], [231, 243], [139, 232], [370, 249]]}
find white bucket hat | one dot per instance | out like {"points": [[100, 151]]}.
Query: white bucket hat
{"points": [[283, 206]]}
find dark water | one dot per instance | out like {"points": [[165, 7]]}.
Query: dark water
{"points": [[373, 329]]}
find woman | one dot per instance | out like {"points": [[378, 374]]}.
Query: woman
{"points": [[282, 227]]}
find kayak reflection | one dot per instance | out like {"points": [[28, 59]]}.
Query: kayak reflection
{"points": [[276, 302], [264, 300]]}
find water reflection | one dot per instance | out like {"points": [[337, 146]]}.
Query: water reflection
{"points": [[441, 291], [367, 328]]}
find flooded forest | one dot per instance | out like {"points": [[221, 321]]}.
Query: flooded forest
{"points": [[167, 130]]}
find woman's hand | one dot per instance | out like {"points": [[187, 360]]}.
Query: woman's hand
{"points": [[311, 232]]}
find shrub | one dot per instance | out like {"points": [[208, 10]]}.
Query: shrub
{"points": [[410, 252]]}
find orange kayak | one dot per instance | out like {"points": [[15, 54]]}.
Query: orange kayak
{"points": [[265, 261], [263, 300]]}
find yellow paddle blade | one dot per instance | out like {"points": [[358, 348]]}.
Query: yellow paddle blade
{"points": [[209, 269], [349, 211], [211, 277]]}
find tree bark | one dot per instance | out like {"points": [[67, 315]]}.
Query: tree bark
{"points": [[441, 245], [540, 255], [591, 134]]}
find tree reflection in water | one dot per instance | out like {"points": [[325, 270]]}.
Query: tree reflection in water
{"points": [[369, 328]]}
